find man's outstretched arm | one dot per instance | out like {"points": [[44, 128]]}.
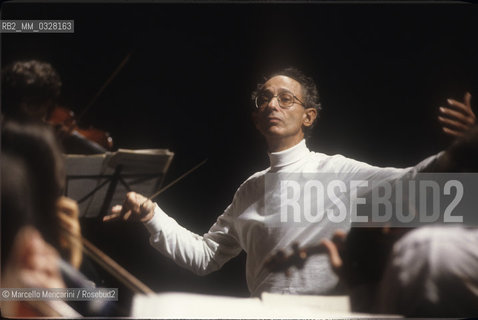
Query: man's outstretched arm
{"points": [[200, 254]]}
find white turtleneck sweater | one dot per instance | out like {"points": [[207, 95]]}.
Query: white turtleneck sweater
{"points": [[245, 225]]}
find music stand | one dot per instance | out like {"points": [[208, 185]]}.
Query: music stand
{"points": [[98, 181]]}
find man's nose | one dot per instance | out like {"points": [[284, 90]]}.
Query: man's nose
{"points": [[273, 103]]}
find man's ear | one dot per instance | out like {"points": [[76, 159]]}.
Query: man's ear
{"points": [[310, 115]]}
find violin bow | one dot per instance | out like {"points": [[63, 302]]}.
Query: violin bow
{"points": [[104, 86], [120, 273]]}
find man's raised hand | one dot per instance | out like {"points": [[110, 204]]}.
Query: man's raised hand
{"points": [[457, 118]]}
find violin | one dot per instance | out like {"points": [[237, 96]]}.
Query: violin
{"points": [[280, 261], [364, 253], [64, 121]]}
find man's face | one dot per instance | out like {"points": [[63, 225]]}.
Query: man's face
{"points": [[275, 122]]}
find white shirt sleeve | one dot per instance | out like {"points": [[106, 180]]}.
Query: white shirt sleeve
{"points": [[200, 254], [380, 174]]}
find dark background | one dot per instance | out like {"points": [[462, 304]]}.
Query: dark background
{"points": [[382, 70]]}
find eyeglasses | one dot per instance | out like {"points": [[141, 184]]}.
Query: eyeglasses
{"points": [[285, 99]]}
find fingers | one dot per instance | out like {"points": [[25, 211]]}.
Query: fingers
{"points": [[452, 132], [468, 100], [334, 248], [68, 206], [115, 214], [69, 224], [69, 219], [339, 236], [131, 206], [126, 215], [333, 253], [460, 110], [147, 210], [111, 217], [124, 211], [465, 116], [135, 207], [457, 118], [70, 240], [449, 123], [67, 213], [460, 106]]}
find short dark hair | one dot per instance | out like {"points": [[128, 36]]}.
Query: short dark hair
{"points": [[30, 82], [310, 93]]}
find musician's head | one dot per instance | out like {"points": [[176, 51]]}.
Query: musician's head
{"points": [[29, 90], [36, 147], [17, 208], [27, 260], [286, 108]]}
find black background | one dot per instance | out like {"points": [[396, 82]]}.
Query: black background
{"points": [[382, 70]]}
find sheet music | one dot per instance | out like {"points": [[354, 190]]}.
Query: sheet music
{"points": [[329, 303], [150, 160], [269, 306]]}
